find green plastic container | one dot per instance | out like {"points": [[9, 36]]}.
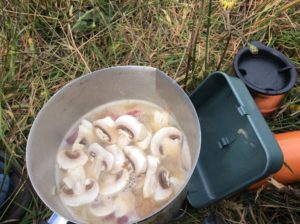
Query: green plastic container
{"points": [[238, 148]]}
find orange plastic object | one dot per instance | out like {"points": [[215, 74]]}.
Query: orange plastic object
{"points": [[289, 143], [267, 104]]}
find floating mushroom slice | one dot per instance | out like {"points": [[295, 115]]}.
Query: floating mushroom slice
{"points": [[101, 207], [90, 193], [145, 143], [85, 135], [167, 141], [119, 157], [123, 139], [75, 179], [105, 130], [163, 188], [186, 156], [70, 159], [135, 130], [97, 152], [164, 179], [177, 183], [77, 173], [160, 120], [162, 194], [94, 168], [88, 125], [114, 183], [137, 158], [78, 187], [150, 179]]}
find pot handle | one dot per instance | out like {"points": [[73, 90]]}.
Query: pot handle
{"points": [[56, 219]]}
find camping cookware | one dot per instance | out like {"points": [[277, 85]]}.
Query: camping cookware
{"points": [[237, 147], [89, 91]]}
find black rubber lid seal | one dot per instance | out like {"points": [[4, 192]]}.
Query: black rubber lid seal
{"points": [[267, 71]]}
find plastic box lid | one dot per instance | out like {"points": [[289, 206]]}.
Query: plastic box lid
{"points": [[238, 148]]}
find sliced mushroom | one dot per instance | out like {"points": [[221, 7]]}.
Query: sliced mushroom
{"points": [[177, 183], [150, 179], [70, 159], [114, 183], [105, 130], [130, 126], [163, 188], [167, 141], [164, 179], [119, 157], [123, 139], [97, 152], [145, 143], [186, 156], [160, 120], [85, 135], [94, 168], [101, 207], [161, 193], [75, 179], [137, 159], [90, 193]]}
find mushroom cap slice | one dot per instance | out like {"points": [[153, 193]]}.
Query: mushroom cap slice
{"points": [[177, 182], [70, 159], [76, 173], [119, 157], [90, 193], [167, 141], [145, 142], [114, 183], [105, 130], [97, 152], [75, 179], [163, 188], [162, 194], [123, 139], [137, 158], [131, 126], [186, 156], [101, 207], [85, 135], [150, 179], [94, 168], [160, 120]]}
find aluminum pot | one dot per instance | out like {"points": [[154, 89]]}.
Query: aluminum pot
{"points": [[84, 94]]}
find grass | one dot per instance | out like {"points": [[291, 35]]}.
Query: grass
{"points": [[45, 44]]}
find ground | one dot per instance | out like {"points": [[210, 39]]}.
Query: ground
{"points": [[45, 44]]}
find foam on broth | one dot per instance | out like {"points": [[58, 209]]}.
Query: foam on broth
{"points": [[136, 206]]}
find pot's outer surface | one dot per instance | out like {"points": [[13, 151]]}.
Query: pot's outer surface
{"points": [[84, 94]]}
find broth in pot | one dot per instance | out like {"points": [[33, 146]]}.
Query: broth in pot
{"points": [[121, 162]]}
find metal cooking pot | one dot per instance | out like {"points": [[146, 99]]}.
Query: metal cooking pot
{"points": [[87, 92]]}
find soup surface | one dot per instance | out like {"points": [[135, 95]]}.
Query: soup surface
{"points": [[121, 162]]}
